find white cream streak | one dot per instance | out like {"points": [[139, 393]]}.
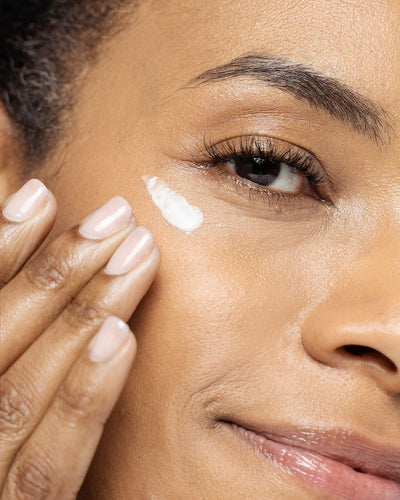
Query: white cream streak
{"points": [[174, 208]]}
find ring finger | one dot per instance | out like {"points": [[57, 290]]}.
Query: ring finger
{"points": [[53, 462]]}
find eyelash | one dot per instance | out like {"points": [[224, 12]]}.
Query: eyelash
{"points": [[301, 161]]}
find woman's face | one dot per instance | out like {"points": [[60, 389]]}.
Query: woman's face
{"points": [[254, 317]]}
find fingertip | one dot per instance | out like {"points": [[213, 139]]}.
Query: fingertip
{"points": [[112, 337], [49, 209], [24, 225], [26, 202]]}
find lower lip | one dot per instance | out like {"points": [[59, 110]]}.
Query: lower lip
{"points": [[335, 478]]}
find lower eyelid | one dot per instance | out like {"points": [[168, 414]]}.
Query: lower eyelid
{"points": [[261, 196]]}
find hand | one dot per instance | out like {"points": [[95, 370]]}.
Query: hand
{"points": [[65, 348]]}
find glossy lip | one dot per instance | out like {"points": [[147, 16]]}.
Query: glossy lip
{"points": [[331, 457]]}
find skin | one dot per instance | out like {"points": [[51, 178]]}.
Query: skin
{"points": [[248, 316]]}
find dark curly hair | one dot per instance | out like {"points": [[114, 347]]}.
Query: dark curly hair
{"points": [[43, 47]]}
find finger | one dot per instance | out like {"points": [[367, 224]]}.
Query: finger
{"points": [[31, 382], [37, 294], [26, 218], [53, 462]]}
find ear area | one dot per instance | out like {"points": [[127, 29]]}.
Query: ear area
{"points": [[11, 156]]}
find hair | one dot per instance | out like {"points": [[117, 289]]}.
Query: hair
{"points": [[44, 47]]}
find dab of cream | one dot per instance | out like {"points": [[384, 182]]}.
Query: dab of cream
{"points": [[173, 207]]}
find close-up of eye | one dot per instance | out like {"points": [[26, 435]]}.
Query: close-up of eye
{"points": [[269, 173], [268, 167]]}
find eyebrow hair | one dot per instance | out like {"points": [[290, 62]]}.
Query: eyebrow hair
{"points": [[306, 84]]}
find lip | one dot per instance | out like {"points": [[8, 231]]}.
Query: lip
{"points": [[337, 461]]}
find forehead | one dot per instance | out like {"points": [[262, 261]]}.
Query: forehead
{"points": [[352, 40]]}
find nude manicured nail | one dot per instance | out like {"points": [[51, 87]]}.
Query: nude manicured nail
{"points": [[131, 251], [106, 220], [109, 340], [26, 202]]}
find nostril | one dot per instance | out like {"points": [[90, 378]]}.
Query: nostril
{"points": [[368, 354]]}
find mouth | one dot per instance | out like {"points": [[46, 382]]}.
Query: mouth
{"points": [[335, 462]]}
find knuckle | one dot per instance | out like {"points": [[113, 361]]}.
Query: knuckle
{"points": [[82, 312], [76, 403], [14, 407], [49, 270], [32, 477]]}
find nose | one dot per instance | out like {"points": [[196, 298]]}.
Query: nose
{"points": [[357, 328], [356, 337]]}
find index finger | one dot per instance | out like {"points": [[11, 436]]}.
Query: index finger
{"points": [[26, 218]]}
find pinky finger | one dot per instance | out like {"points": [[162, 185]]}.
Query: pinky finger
{"points": [[54, 461]]}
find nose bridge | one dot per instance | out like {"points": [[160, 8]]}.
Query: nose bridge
{"points": [[357, 327], [374, 274]]}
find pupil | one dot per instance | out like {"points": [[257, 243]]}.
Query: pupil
{"points": [[258, 170]]}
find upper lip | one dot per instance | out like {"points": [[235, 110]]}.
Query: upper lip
{"points": [[338, 444]]}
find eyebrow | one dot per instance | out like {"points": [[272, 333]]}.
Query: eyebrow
{"points": [[308, 85]]}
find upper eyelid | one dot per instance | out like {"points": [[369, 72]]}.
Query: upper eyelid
{"points": [[209, 142], [271, 142]]}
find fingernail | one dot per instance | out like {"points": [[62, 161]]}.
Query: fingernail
{"points": [[26, 202], [106, 220], [112, 336], [131, 251]]}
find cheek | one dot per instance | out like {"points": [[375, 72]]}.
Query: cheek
{"points": [[216, 305], [211, 311]]}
